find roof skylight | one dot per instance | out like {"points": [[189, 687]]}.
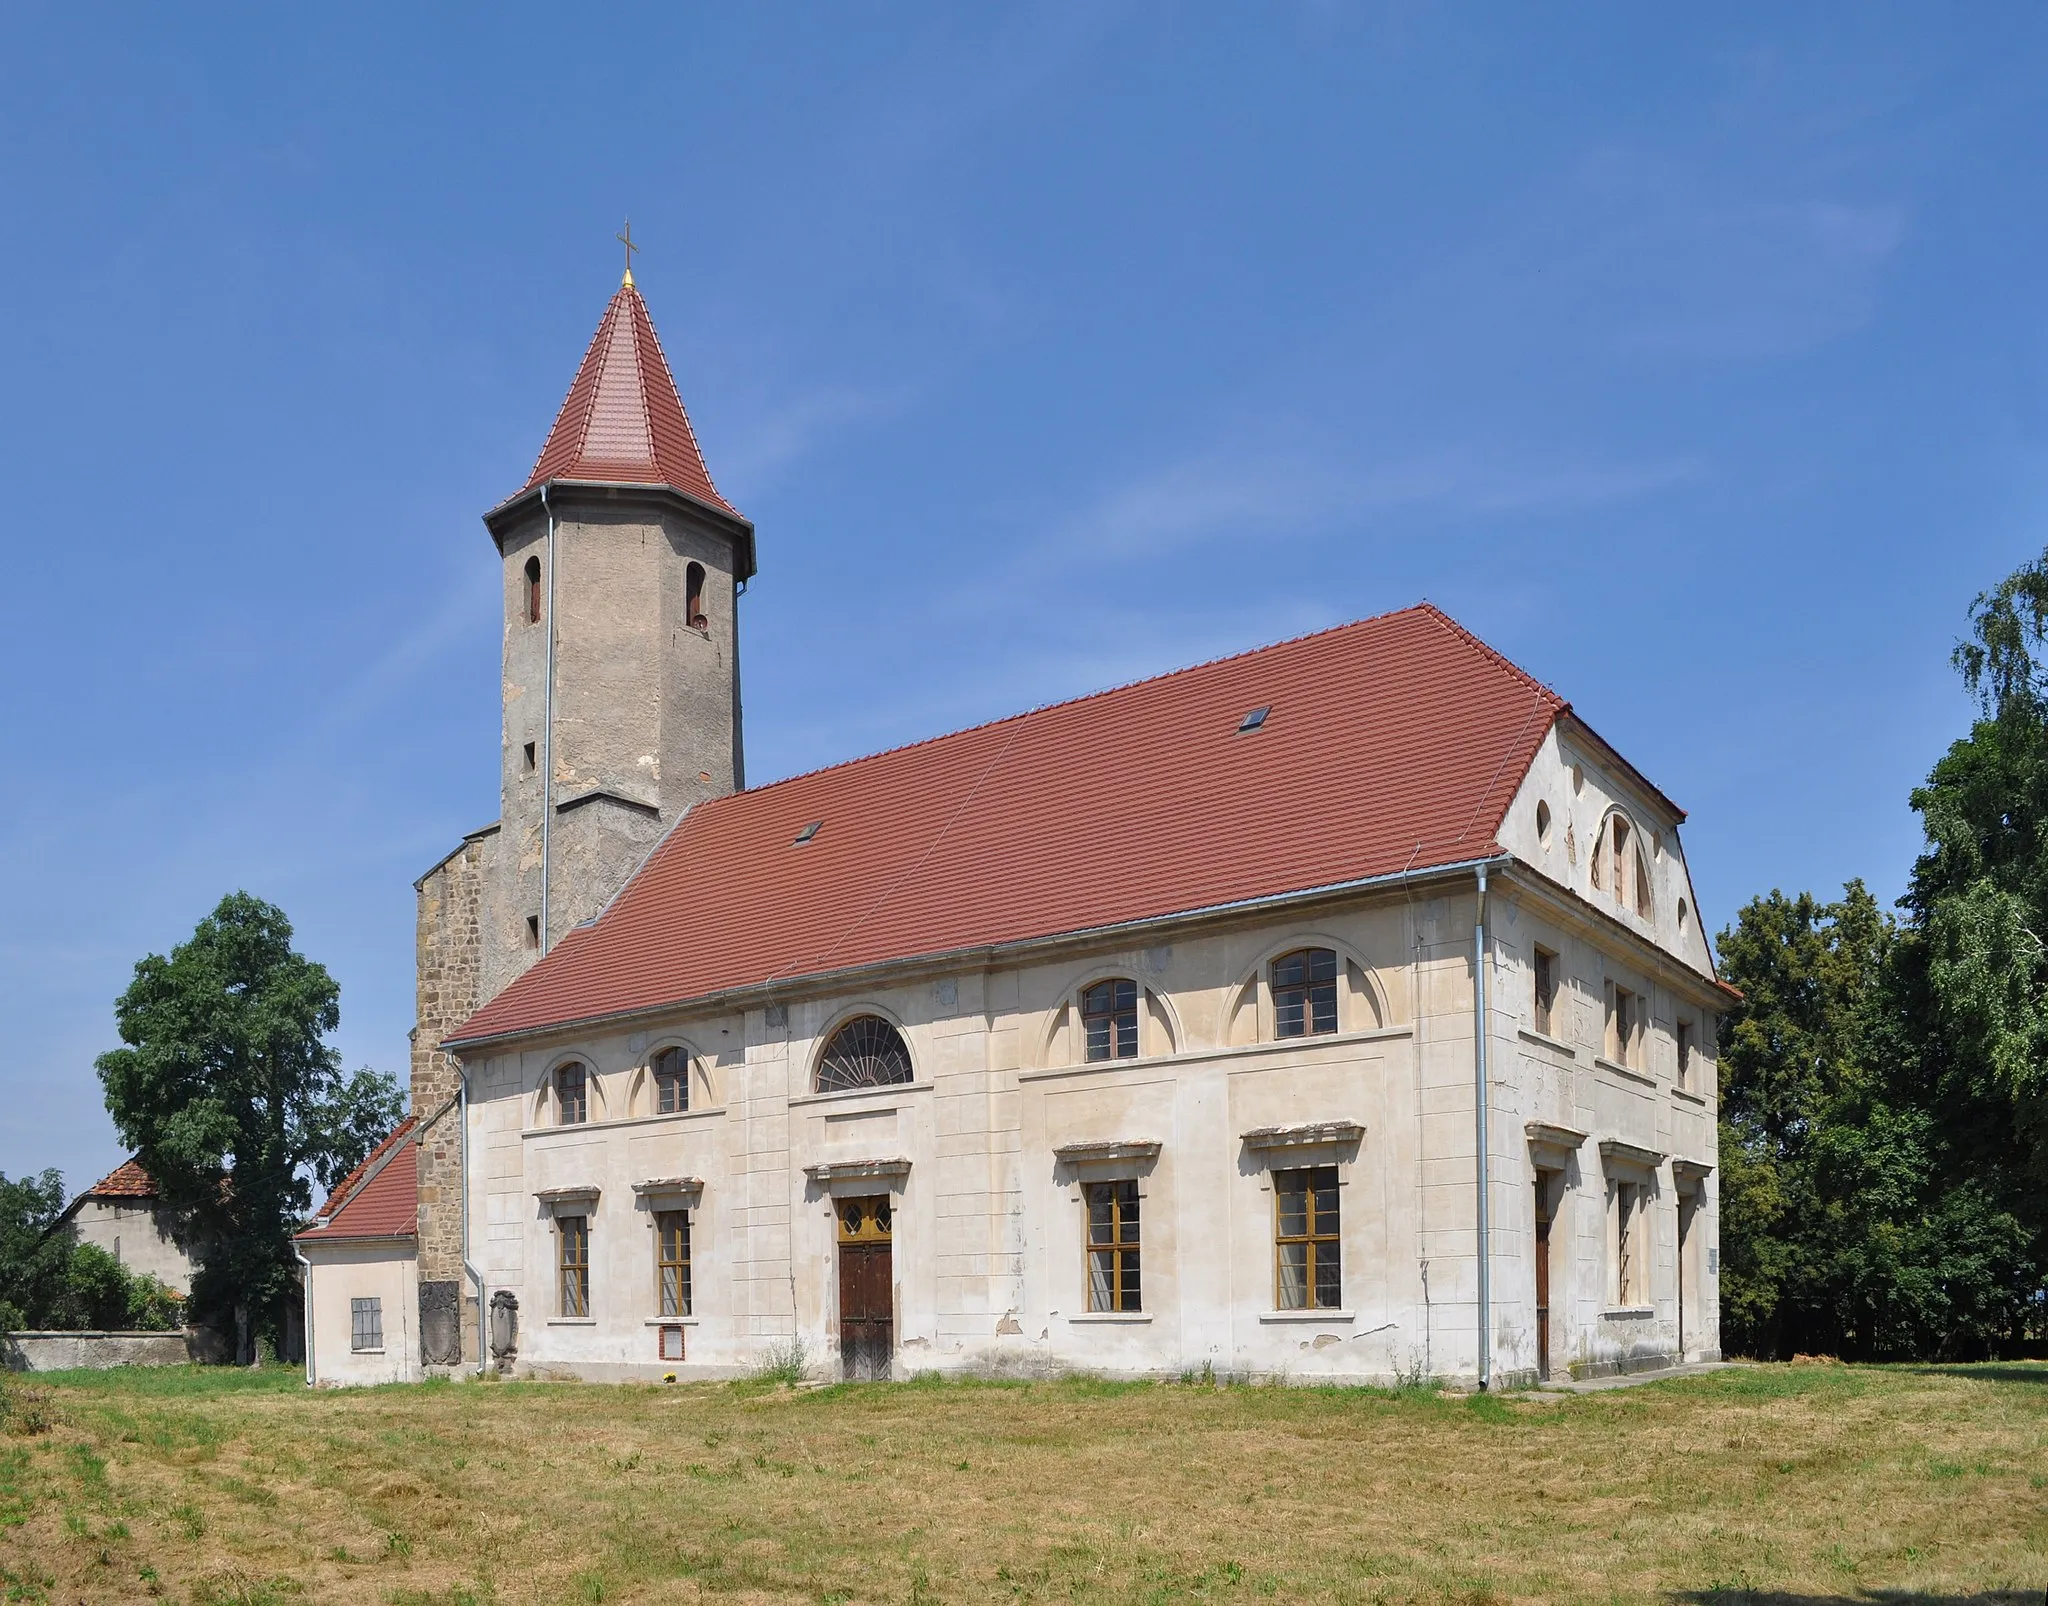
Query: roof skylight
{"points": [[807, 833], [1255, 718]]}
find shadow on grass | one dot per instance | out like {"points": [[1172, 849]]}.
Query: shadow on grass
{"points": [[1877, 1597], [1986, 1371]]}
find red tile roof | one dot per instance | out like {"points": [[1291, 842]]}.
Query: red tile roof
{"points": [[1393, 744], [379, 1199], [623, 421], [126, 1181]]}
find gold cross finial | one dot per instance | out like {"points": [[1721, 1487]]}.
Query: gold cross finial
{"points": [[626, 239]]}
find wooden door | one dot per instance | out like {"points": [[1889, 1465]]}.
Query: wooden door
{"points": [[1543, 1275], [867, 1307]]}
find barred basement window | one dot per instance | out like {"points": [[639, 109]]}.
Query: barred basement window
{"points": [[1305, 993], [1307, 1251], [572, 1094], [1113, 1249], [1109, 1011], [572, 1241], [672, 1261], [365, 1325], [671, 1082]]}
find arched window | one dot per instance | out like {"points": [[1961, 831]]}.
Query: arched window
{"points": [[671, 1082], [1305, 993], [1109, 1012], [572, 1094], [533, 591], [693, 597], [866, 1052], [1629, 870]]}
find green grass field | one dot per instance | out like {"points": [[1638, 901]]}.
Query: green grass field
{"points": [[1807, 1485]]}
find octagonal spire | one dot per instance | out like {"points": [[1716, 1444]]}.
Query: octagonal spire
{"points": [[623, 422]]}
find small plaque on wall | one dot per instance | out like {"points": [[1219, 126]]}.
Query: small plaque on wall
{"points": [[671, 1343]]}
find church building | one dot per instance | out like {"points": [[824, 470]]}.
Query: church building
{"points": [[1339, 1011]]}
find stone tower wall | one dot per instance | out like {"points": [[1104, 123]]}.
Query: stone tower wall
{"points": [[453, 898]]}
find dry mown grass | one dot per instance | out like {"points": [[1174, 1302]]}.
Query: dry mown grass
{"points": [[1811, 1485]]}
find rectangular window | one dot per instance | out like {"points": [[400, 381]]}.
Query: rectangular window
{"points": [[365, 1325], [1546, 992], [1630, 1282], [1624, 1022], [1308, 1259], [1683, 1032], [1305, 993], [572, 1238], [1113, 1246], [1109, 1011], [672, 1261], [529, 758]]}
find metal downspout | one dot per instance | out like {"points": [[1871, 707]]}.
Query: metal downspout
{"points": [[483, 1337], [1479, 1104], [305, 1305], [547, 777]]}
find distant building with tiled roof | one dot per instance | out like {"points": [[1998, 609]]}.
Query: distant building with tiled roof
{"points": [[124, 1214], [1338, 1010]]}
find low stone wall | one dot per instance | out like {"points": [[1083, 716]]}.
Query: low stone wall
{"points": [[64, 1351]]}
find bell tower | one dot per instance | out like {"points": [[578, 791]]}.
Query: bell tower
{"points": [[622, 568]]}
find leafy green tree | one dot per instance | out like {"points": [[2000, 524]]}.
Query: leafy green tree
{"points": [[235, 1104], [1976, 976], [30, 1208]]}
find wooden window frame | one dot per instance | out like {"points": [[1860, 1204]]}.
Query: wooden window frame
{"points": [[1121, 1251], [560, 1077], [673, 1293], [572, 1267], [1631, 1253], [366, 1338], [1321, 1242], [668, 1073], [1120, 1000], [1543, 980], [1310, 990], [1625, 1025]]}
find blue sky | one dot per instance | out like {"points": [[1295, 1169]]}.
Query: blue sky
{"points": [[1697, 363]]}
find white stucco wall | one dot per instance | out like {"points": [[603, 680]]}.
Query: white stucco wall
{"points": [[987, 1245], [363, 1268], [132, 1231]]}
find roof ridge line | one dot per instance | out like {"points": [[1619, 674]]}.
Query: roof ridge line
{"points": [[1492, 652], [352, 1184], [548, 440], [682, 407], [1110, 691]]}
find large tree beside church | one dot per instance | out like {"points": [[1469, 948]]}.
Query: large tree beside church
{"points": [[1884, 1115], [234, 1101]]}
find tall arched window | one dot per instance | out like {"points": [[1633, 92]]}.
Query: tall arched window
{"points": [[866, 1052], [693, 597], [1305, 993], [671, 1082], [533, 591], [572, 1094]]}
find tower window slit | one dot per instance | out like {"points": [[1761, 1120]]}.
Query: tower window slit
{"points": [[693, 598], [533, 591]]}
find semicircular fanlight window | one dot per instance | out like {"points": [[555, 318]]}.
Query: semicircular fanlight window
{"points": [[866, 1052]]}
